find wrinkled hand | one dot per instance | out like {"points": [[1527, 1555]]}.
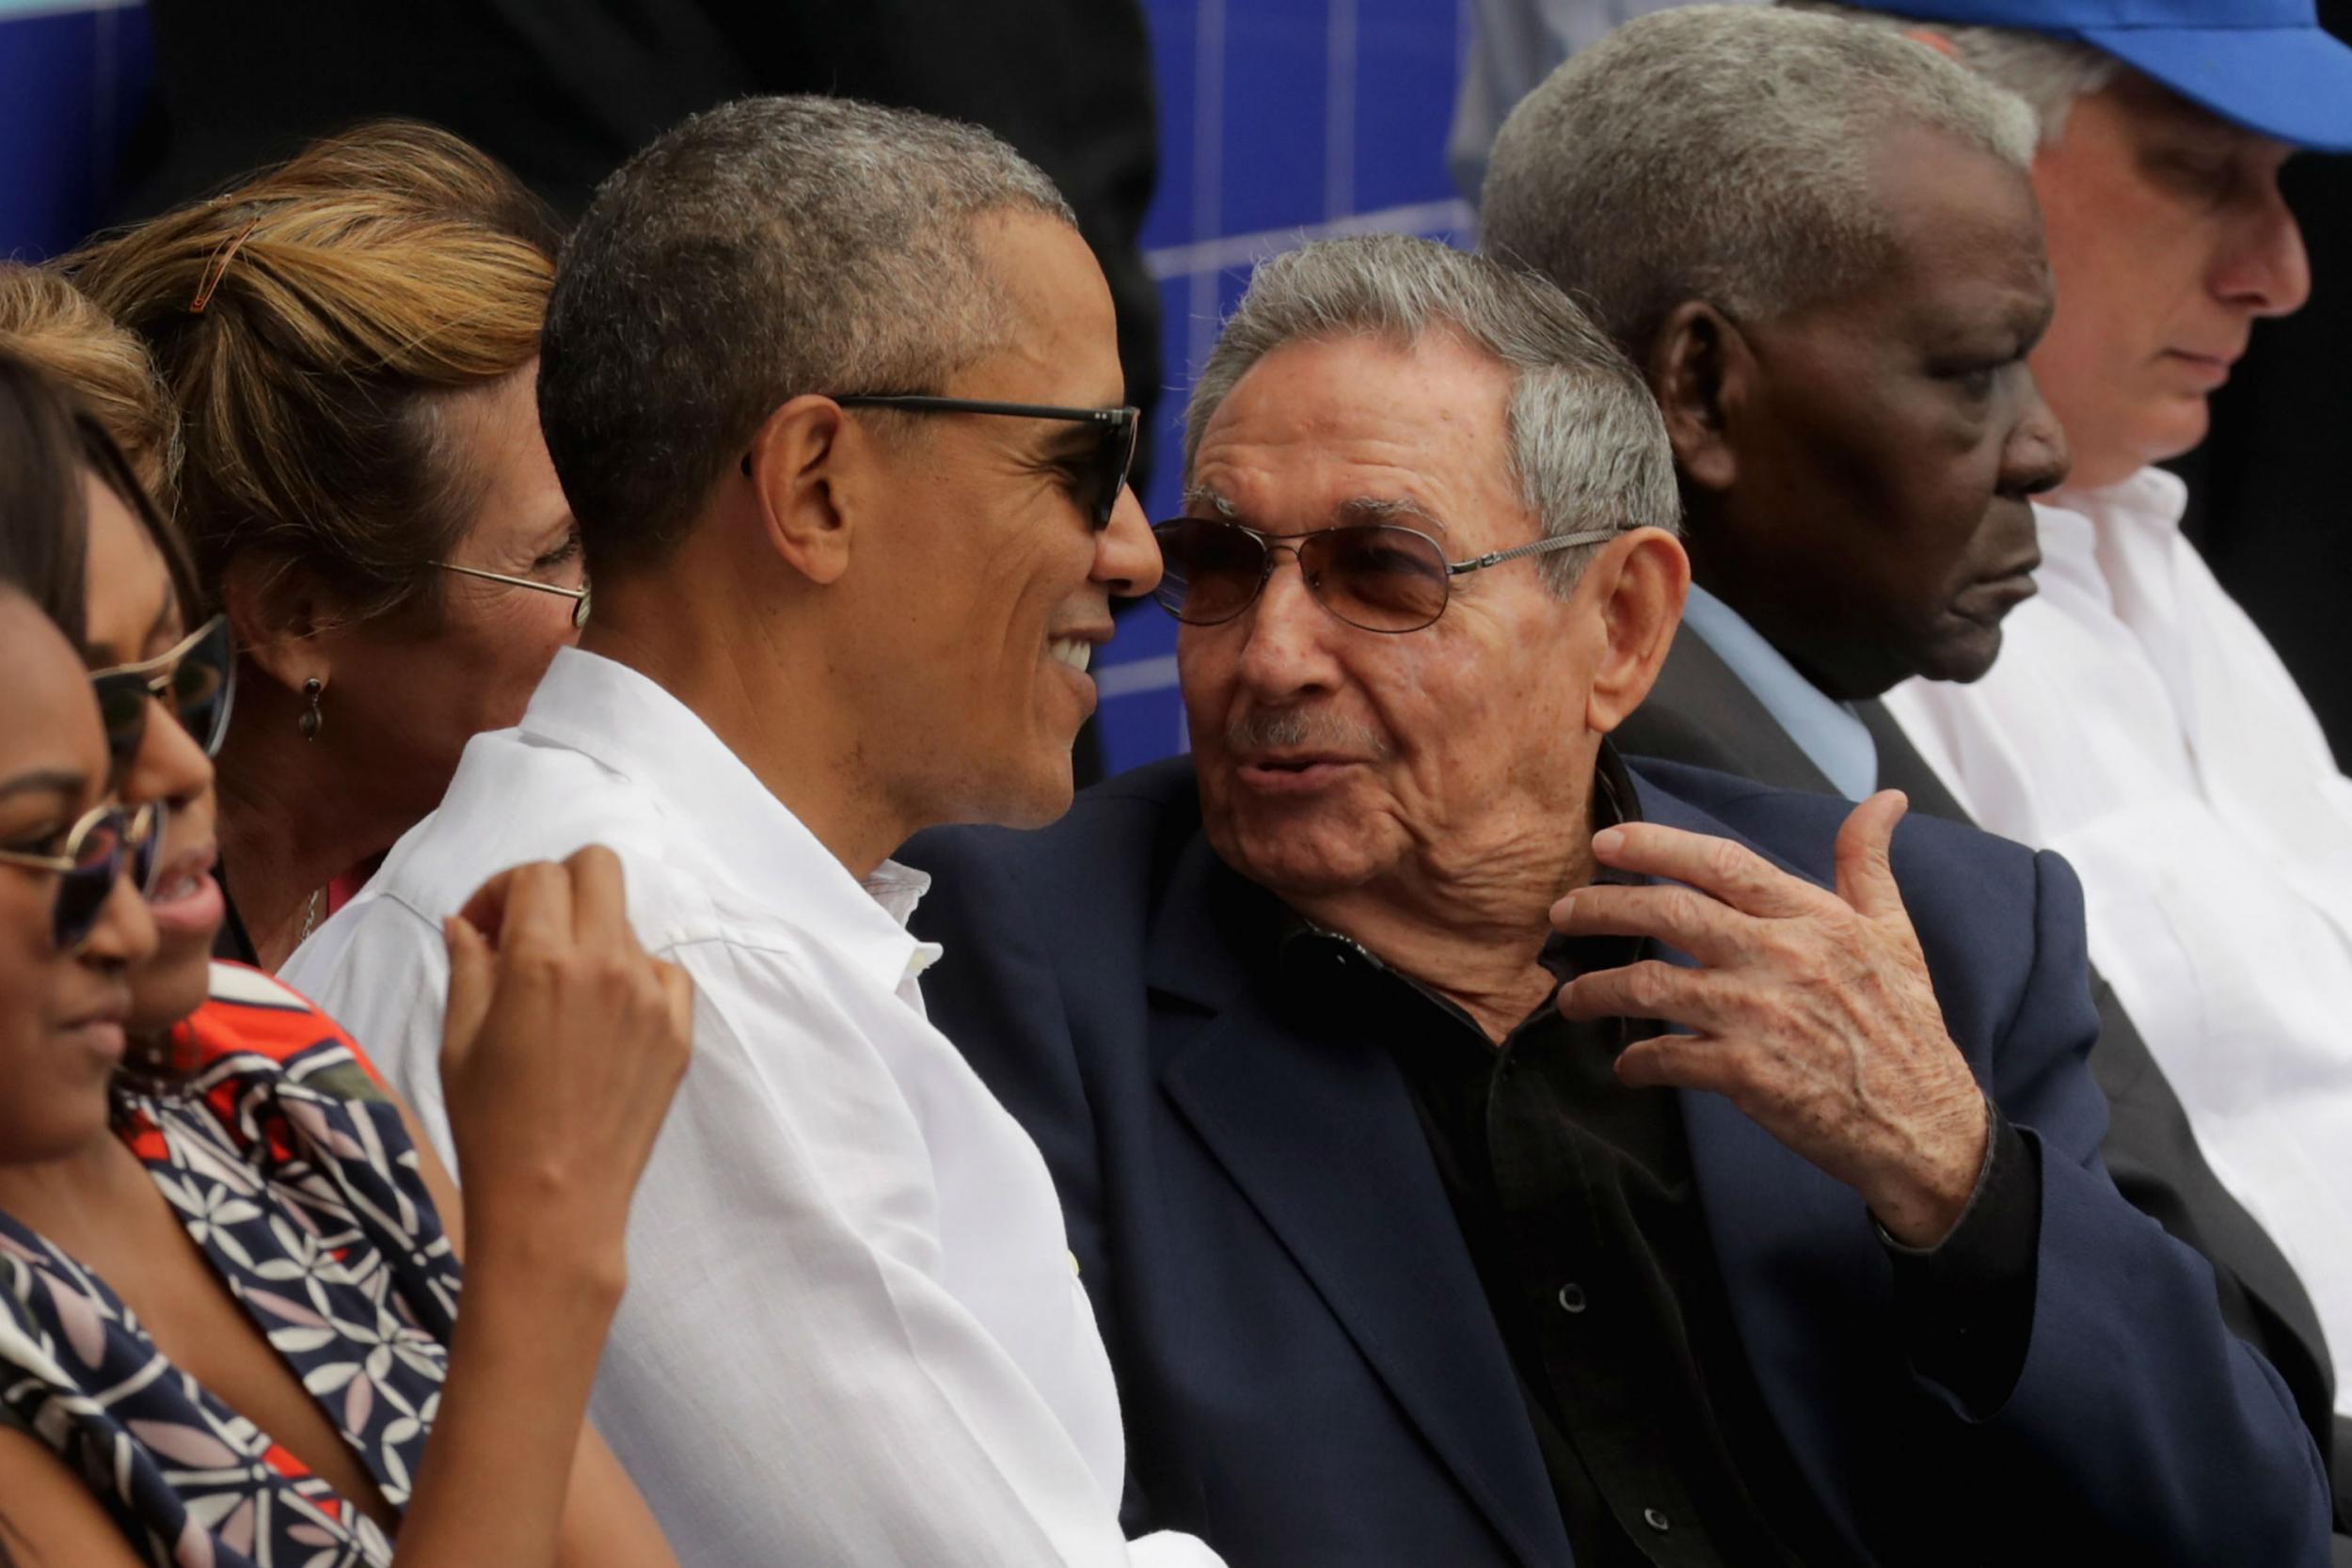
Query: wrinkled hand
{"points": [[1813, 1011], [561, 1051]]}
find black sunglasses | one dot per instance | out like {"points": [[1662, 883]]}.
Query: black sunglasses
{"points": [[1379, 576], [196, 680], [1107, 469], [100, 847]]}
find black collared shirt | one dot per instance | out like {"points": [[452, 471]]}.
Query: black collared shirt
{"points": [[1577, 1198]]}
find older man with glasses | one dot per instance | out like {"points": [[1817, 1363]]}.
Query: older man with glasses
{"points": [[1484, 1150], [834, 391]]}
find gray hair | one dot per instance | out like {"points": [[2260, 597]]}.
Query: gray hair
{"points": [[769, 249], [1587, 446], [1722, 153], [2047, 72]]}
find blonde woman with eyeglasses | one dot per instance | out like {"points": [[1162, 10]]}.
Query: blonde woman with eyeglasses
{"points": [[350, 341]]}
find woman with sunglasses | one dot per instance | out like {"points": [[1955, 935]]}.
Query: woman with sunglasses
{"points": [[351, 341], [227, 1273]]}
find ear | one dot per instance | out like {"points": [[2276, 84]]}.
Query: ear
{"points": [[812, 471], [276, 616], [1700, 371], [1637, 585]]}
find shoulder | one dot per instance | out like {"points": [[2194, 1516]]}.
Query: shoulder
{"points": [[255, 1020], [1950, 872], [1107, 845]]}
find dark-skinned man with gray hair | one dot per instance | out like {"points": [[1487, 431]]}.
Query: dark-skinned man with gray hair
{"points": [[2138, 722], [1833, 281], [834, 391], [1486, 1149]]}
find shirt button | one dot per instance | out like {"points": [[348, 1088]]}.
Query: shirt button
{"points": [[1571, 1297], [1656, 1520]]}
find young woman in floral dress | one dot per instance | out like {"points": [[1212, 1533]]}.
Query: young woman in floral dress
{"points": [[229, 1277]]}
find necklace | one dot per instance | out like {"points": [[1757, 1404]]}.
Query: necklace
{"points": [[313, 911]]}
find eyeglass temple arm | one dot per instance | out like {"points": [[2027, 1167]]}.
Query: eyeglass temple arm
{"points": [[511, 581], [1541, 546]]}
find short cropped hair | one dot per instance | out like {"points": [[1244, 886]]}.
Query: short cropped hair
{"points": [[1722, 153], [1587, 446], [2049, 73], [767, 249]]}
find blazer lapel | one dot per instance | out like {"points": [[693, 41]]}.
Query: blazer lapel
{"points": [[1902, 766], [1794, 1248], [1321, 1138]]}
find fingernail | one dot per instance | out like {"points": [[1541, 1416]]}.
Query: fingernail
{"points": [[1560, 910], [1608, 841]]}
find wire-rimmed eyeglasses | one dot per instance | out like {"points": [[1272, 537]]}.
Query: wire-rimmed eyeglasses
{"points": [[96, 852], [578, 595], [1378, 577]]}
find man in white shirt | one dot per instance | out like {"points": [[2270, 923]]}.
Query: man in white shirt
{"points": [[834, 392], [2137, 721]]}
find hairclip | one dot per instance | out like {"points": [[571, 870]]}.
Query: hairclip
{"points": [[217, 268]]}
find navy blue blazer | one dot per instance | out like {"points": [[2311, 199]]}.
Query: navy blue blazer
{"points": [[1309, 1372]]}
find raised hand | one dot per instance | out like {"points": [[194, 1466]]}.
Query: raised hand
{"points": [[561, 1049], [1812, 1011]]}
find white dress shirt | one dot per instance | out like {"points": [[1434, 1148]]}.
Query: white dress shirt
{"points": [[852, 1333], [2138, 722]]}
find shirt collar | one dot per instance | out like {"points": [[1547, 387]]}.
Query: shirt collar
{"points": [[2153, 498], [1829, 732], [748, 839]]}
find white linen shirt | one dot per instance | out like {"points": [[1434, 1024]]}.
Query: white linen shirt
{"points": [[853, 1333], [2138, 724]]}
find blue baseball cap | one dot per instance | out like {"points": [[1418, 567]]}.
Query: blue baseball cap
{"points": [[2264, 64]]}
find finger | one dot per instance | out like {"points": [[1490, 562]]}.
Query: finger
{"points": [[538, 909], [1738, 876], [470, 987], [1866, 872], [1681, 1062], [1706, 927], [1651, 989], [486, 911], [677, 989], [599, 899]]}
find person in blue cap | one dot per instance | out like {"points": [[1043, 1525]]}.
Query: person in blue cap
{"points": [[2137, 721]]}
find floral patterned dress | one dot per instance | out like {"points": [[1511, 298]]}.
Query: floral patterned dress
{"points": [[293, 1174]]}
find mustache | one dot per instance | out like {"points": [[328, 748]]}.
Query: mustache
{"points": [[1302, 729]]}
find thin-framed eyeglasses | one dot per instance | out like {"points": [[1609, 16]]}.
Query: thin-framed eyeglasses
{"points": [[1106, 466], [578, 595], [196, 679], [104, 843], [1378, 577]]}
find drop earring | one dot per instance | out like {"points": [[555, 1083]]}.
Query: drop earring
{"points": [[312, 720]]}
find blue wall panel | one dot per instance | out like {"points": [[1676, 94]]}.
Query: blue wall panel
{"points": [[72, 84]]}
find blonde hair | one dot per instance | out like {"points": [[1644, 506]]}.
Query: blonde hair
{"points": [[49, 322], [309, 325]]}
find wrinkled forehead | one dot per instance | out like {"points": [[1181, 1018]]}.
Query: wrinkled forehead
{"points": [[1359, 430]]}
